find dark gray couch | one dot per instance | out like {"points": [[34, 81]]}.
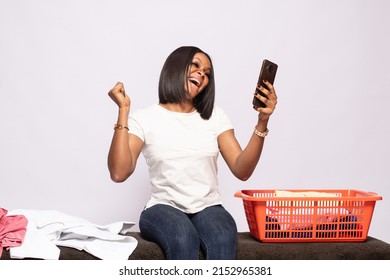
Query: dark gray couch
{"points": [[251, 249]]}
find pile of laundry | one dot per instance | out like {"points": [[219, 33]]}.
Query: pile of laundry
{"points": [[12, 230], [37, 233], [346, 227]]}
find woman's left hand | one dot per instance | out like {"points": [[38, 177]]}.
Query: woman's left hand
{"points": [[270, 102]]}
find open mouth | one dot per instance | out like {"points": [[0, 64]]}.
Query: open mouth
{"points": [[194, 81]]}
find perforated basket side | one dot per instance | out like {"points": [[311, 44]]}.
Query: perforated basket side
{"points": [[346, 217], [250, 218]]}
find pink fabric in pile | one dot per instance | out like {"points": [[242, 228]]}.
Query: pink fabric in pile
{"points": [[12, 230]]}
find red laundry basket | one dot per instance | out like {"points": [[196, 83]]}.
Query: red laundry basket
{"points": [[344, 216]]}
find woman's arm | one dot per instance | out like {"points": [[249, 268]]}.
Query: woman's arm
{"points": [[242, 163], [125, 147]]}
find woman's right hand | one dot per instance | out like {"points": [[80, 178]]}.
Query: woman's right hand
{"points": [[119, 96]]}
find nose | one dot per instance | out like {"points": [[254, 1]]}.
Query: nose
{"points": [[201, 73]]}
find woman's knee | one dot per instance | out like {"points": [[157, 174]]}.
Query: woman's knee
{"points": [[215, 219], [172, 230], [218, 232]]}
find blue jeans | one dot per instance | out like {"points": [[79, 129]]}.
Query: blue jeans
{"points": [[181, 235]]}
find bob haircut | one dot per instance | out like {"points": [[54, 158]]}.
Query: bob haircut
{"points": [[174, 77]]}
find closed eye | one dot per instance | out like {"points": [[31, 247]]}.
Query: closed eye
{"points": [[195, 64]]}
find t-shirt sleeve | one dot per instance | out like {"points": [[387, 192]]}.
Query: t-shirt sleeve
{"points": [[223, 121], [135, 127]]}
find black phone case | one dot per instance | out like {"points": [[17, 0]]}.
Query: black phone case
{"points": [[268, 73]]}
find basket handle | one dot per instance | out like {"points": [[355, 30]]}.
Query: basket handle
{"points": [[242, 195], [238, 194]]}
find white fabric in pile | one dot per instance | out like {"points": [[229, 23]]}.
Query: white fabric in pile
{"points": [[48, 228]]}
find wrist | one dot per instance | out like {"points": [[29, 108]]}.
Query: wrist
{"points": [[261, 129], [123, 119], [124, 110], [262, 125], [261, 134], [119, 126], [123, 115]]}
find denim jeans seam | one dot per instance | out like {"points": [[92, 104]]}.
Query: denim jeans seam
{"points": [[206, 248]]}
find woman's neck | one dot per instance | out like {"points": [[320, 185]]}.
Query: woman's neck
{"points": [[179, 107]]}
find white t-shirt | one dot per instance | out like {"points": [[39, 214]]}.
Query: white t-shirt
{"points": [[181, 150]]}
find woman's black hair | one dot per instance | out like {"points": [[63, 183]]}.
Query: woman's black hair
{"points": [[174, 77]]}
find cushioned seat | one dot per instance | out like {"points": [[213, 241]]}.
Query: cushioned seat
{"points": [[251, 249]]}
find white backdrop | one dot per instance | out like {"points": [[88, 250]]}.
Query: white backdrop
{"points": [[58, 59]]}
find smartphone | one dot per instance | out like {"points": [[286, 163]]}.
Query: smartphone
{"points": [[268, 73]]}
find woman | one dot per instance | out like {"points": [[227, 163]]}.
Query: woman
{"points": [[181, 138]]}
